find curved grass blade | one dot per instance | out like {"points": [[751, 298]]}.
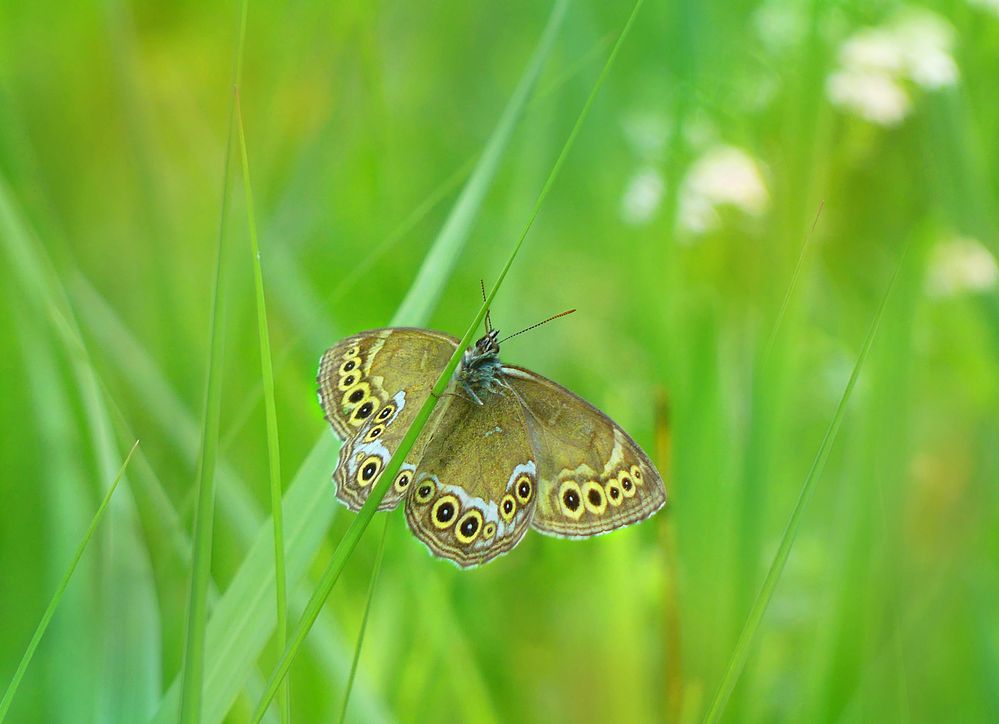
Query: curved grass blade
{"points": [[443, 256], [130, 642], [792, 286], [755, 617], [243, 618], [197, 609], [376, 569], [29, 652], [353, 534], [288, 279], [270, 413]]}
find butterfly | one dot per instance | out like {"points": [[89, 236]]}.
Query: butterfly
{"points": [[505, 449]]}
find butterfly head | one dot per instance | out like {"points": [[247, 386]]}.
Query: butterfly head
{"points": [[488, 344], [481, 368]]}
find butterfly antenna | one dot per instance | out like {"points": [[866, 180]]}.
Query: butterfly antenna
{"points": [[535, 326], [489, 321]]}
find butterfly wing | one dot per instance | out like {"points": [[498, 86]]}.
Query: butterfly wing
{"points": [[476, 484], [594, 477], [371, 386]]}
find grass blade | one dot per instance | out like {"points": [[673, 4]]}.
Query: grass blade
{"points": [[29, 652], [353, 534], [270, 412], [755, 617], [376, 569], [197, 610], [443, 256], [130, 655]]}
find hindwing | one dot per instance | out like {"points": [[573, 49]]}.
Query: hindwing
{"points": [[371, 386], [476, 484], [593, 476]]}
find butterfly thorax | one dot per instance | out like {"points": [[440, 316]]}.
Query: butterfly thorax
{"points": [[481, 371]]}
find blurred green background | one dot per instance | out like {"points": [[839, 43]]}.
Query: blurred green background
{"points": [[675, 228]]}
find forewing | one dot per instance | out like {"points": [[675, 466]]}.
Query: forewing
{"points": [[476, 484], [594, 477], [371, 386]]}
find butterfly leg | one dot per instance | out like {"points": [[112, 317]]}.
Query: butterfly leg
{"points": [[471, 392]]}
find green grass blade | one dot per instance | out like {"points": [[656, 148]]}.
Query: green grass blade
{"points": [[270, 412], [353, 534], [197, 610], [376, 569], [746, 638], [792, 286], [236, 632], [443, 256], [29, 652], [129, 636]]}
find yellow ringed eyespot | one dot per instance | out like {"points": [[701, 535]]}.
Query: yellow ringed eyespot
{"points": [[445, 511], [349, 365], [402, 480], [627, 486], [386, 412], [374, 432], [636, 474], [508, 507], [349, 380], [424, 493], [352, 352], [594, 498], [613, 490], [524, 489], [469, 526], [369, 470], [489, 530], [355, 394], [364, 410], [571, 499]]}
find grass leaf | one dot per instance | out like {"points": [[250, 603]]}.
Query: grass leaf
{"points": [[29, 652], [376, 569], [744, 645], [270, 411], [443, 255], [197, 610]]}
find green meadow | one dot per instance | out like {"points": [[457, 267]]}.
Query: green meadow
{"points": [[777, 222]]}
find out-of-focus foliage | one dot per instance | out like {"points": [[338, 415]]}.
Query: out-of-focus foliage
{"points": [[675, 229]]}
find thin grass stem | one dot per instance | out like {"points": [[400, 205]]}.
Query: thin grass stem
{"points": [[197, 609], [360, 523], [746, 638], [270, 413], [795, 275], [376, 569], [43, 625]]}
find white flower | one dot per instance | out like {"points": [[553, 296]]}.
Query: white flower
{"points": [[723, 175], [925, 41], [696, 213], [874, 50], [961, 265], [872, 96], [642, 196], [875, 64]]}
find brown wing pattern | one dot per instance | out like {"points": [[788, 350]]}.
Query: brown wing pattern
{"points": [[594, 477], [476, 484], [370, 387]]}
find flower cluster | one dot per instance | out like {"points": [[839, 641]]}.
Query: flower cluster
{"points": [[878, 66], [721, 176]]}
